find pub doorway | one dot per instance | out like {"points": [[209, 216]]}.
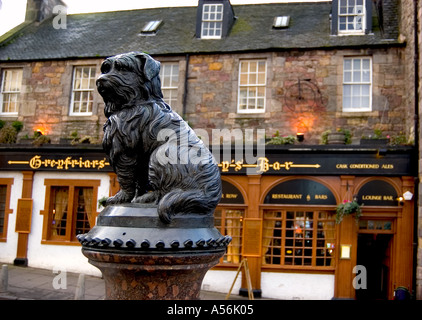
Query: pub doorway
{"points": [[374, 254]]}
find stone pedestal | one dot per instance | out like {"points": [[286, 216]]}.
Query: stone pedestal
{"points": [[142, 258]]}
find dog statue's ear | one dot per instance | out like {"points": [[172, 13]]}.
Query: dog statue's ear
{"points": [[150, 67]]}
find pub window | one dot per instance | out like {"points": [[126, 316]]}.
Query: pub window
{"points": [[82, 90], [11, 84], [5, 189], [229, 222], [299, 238], [252, 86], [169, 75], [71, 209]]}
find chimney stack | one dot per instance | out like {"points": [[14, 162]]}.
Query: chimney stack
{"points": [[40, 10]]}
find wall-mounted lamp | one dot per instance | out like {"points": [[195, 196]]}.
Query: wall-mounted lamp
{"points": [[400, 200], [39, 132], [407, 195], [345, 251], [300, 136]]}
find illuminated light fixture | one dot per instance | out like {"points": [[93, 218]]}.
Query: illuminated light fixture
{"points": [[407, 195], [40, 131], [300, 136], [345, 251]]}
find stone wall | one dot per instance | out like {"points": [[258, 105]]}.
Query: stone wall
{"points": [[45, 101], [407, 34], [303, 94]]}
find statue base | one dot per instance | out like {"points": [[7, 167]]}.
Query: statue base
{"points": [[142, 258], [153, 276]]}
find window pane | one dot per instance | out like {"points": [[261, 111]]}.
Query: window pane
{"points": [[355, 94], [366, 64], [169, 74], [83, 88], [356, 64], [347, 64], [252, 79], [272, 237], [83, 210], [366, 76], [10, 90], [357, 76], [244, 79], [306, 238], [212, 15], [230, 222], [58, 209], [347, 76]]}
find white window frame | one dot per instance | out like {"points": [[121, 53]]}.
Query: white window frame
{"points": [[212, 20], [357, 84], [89, 89], [6, 89], [252, 85], [152, 26], [351, 10], [170, 88]]}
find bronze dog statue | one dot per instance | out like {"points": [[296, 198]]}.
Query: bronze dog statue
{"points": [[157, 157]]}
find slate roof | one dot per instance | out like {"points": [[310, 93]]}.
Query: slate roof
{"points": [[106, 34]]}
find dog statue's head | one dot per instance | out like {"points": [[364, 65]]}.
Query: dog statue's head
{"points": [[127, 79]]}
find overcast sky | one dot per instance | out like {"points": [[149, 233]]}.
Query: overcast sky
{"points": [[12, 12]]}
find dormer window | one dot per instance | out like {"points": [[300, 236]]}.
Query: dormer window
{"points": [[212, 21], [351, 17]]}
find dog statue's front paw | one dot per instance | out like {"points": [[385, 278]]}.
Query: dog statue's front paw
{"points": [[120, 197], [149, 197]]}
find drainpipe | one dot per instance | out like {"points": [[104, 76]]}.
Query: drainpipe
{"points": [[185, 93]]}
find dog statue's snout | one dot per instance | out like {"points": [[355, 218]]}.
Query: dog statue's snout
{"points": [[100, 82]]}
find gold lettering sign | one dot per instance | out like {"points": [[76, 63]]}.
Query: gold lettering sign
{"points": [[363, 166], [229, 196], [37, 162], [378, 197], [263, 165], [286, 196]]}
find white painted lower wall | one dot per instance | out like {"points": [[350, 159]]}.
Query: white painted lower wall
{"points": [[297, 286], [70, 258], [283, 286], [221, 281], [52, 257], [8, 249]]}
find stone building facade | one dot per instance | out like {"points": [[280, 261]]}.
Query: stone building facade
{"points": [[213, 83], [301, 73]]}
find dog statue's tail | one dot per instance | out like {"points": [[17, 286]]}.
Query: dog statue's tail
{"points": [[181, 202]]}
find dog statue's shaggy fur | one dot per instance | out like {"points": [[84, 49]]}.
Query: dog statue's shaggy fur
{"points": [[157, 157]]}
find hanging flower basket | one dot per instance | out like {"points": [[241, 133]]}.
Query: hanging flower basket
{"points": [[347, 208]]}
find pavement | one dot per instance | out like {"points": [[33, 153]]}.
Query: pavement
{"points": [[26, 283]]}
